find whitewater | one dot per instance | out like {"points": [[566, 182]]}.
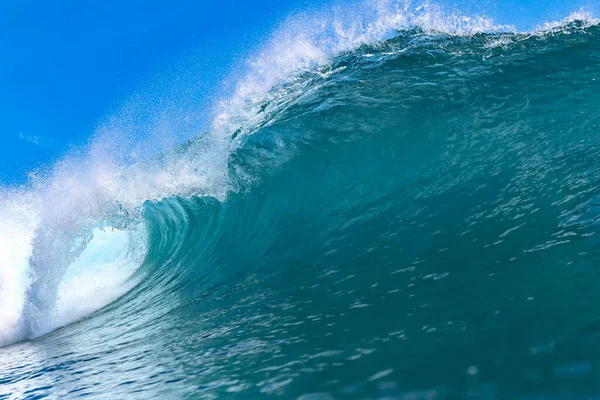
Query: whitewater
{"points": [[394, 201]]}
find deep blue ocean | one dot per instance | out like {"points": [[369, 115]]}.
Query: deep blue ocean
{"points": [[408, 210]]}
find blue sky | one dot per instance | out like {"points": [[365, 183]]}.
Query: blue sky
{"points": [[67, 65]]}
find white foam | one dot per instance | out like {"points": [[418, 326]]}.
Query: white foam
{"points": [[18, 221], [585, 17]]}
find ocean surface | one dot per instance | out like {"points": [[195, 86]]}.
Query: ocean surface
{"points": [[406, 209]]}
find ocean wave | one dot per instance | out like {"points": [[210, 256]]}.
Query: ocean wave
{"points": [[78, 236]]}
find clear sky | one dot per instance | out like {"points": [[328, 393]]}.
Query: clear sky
{"points": [[66, 65]]}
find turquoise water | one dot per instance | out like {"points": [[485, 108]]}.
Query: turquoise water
{"points": [[413, 219]]}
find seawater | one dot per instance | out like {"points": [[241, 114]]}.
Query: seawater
{"points": [[410, 212]]}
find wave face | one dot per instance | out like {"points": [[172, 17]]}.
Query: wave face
{"points": [[409, 212]]}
